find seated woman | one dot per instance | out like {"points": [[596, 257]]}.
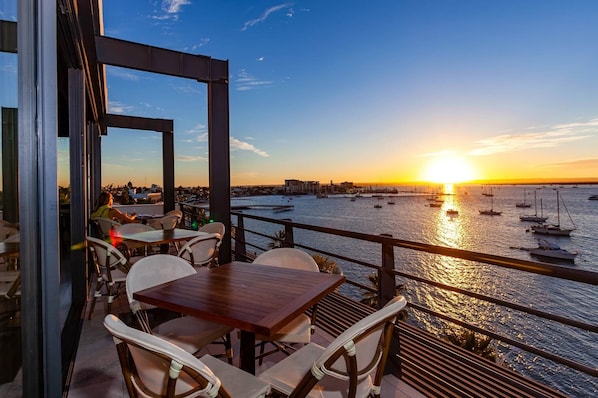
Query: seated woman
{"points": [[103, 209]]}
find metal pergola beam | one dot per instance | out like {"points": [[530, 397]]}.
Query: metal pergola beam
{"points": [[164, 126], [131, 55], [204, 69], [8, 37]]}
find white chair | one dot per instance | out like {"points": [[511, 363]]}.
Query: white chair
{"points": [[106, 226], [201, 250], [187, 332], [175, 212], [351, 366], [155, 367], [111, 267], [214, 227], [132, 228], [218, 228], [300, 329], [7, 232], [166, 222]]}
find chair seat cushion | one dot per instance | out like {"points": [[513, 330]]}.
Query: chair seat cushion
{"points": [[237, 382], [296, 331], [190, 333], [286, 374]]}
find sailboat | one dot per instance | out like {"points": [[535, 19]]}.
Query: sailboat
{"points": [[490, 212], [555, 229], [524, 204], [535, 217]]}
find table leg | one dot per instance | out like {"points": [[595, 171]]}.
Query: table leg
{"points": [[247, 352]]}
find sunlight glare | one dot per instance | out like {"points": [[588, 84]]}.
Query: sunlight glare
{"points": [[448, 169]]}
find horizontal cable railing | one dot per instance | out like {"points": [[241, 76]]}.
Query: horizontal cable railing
{"points": [[255, 239]]}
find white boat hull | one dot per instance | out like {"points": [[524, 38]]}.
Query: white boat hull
{"points": [[560, 254], [551, 230]]}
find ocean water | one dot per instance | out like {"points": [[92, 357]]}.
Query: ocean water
{"points": [[411, 218]]}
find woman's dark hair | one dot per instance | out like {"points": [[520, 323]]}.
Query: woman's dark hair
{"points": [[103, 199]]}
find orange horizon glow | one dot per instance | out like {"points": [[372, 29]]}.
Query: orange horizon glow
{"points": [[448, 168]]}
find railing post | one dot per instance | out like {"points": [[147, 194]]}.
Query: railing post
{"points": [[240, 247], [386, 279], [289, 240]]}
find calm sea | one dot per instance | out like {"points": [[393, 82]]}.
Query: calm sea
{"points": [[411, 218]]}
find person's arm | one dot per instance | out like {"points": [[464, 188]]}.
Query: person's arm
{"points": [[122, 217]]}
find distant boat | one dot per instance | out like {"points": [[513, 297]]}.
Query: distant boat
{"points": [[391, 202], [378, 206], [555, 229], [452, 212], [524, 204], [535, 217], [552, 250], [593, 197], [435, 204], [490, 212]]}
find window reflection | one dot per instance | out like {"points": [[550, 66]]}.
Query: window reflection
{"points": [[10, 292]]}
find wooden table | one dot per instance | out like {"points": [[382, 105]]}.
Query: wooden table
{"points": [[253, 298]]}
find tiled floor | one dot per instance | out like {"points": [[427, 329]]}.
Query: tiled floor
{"points": [[97, 370]]}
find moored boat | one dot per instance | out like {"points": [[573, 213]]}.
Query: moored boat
{"points": [[552, 250]]}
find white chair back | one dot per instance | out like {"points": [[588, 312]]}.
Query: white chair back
{"points": [[167, 222], [214, 227], [287, 257], [106, 225], [175, 212], [201, 250], [154, 270], [152, 366], [7, 232], [365, 339], [107, 257]]}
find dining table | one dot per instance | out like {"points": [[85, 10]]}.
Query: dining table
{"points": [[253, 298], [162, 237]]}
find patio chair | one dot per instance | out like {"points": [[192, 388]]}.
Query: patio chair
{"points": [[201, 251], [106, 226], [10, 296], [214, 227], [300, 329], [111, 267], [189, 333], [155, 367], [175, 212], [351, 366], [131, 228], [166, 222]]}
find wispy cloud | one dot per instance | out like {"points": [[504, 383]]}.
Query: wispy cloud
{"points": [[123, 73], [187, 158], [269, 12], [547, 138], [578, 164], [170, 10], [119, 107], [245, 146], [244, 81]]}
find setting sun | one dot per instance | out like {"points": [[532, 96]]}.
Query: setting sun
{"points": [[448, 168]]}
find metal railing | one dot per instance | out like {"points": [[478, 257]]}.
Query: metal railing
{"points": [[249, 242]]}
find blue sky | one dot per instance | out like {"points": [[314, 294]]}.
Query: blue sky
{"points": [[366, 91]]}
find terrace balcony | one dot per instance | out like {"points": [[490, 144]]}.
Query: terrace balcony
{"points": [[421, 364]]}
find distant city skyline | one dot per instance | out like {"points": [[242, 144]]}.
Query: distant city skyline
{"points": [[387, 92]]}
